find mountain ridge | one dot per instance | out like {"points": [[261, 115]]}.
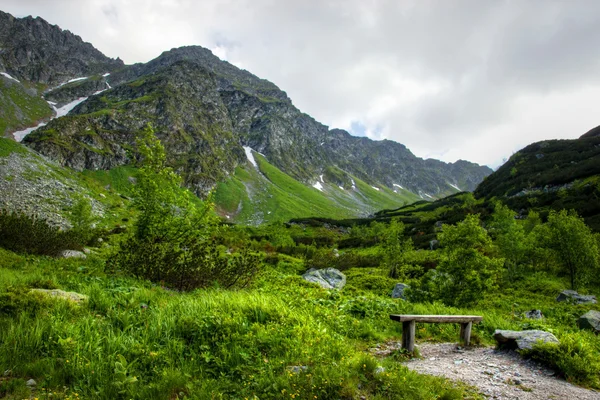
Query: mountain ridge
{"points": [[206, 111]]}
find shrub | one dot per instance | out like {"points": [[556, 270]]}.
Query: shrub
{"points": [[174, 241], [23, 233], [575, 357]]}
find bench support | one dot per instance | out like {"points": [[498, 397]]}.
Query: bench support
{"points": [[409, 321], [408, 335], [465, 333]]}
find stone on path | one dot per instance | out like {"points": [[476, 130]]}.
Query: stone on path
{"points": [[524, 339]]}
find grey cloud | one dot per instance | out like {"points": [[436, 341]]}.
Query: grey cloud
{"points": [[436, 76]]}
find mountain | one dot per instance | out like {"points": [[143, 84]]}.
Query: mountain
{"points": [[34, 57], [551, 174], [35, 51], [211, 115]]}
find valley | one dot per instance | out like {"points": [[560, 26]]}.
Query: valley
{"points": [[178, 229]]}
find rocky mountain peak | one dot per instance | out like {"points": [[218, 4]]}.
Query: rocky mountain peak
{"points": [[32, 49]]}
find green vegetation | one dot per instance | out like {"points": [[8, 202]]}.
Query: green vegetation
{"points": [[182, 306], [275, 196], [19, 108], [28, 234]]}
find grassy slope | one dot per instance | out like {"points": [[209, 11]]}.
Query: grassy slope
{"points": [[134, 340], [39, 173], [269, 195], [18, 108]]}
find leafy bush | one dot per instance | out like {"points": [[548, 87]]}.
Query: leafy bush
{"points": [[175, 239], [23, 233], [575, 356]]}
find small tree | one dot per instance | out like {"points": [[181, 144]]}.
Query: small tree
{"points": [[82, 219], [509, 236], [574, 245], [174, 239], [465, 271], [395, 249]]}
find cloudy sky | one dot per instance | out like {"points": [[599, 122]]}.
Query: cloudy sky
{"points": [[450, 79]]}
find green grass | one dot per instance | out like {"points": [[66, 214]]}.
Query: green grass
{"points": [[8, 146], [276, 196], [20, 109], [135, 340], [118, 178]]}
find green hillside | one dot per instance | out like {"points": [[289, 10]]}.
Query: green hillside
{"points": [[266, 194]]}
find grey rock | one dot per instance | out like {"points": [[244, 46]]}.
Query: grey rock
{"points": [[572, 296], [72, 296], [534, 314], [378, 370], [524, 339], [590, 320], [31, 382], [328, 278], [73, 254], [398, 292], [434, 244]]}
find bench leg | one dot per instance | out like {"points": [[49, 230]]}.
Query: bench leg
{"points": [[465, 333], [408, 336]]}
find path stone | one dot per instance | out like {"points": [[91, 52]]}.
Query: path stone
{"points": [[524, 339], [497, 374]]}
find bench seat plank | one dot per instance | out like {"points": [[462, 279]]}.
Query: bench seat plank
{"points": [[437, 318]]}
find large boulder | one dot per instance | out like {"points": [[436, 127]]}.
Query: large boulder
{"points": [[590, 320], [523, 339], [328, 278], [61, 294], [398, 292], [574, 297]]}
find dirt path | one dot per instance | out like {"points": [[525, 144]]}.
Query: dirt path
{"points": [[497, 374]]}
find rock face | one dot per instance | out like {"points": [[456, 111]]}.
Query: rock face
{"points": [[590, 320], [523, 339], [398, 292], [328, 278], [33, 50], [574, 297], [61, 294], [205, 110]]}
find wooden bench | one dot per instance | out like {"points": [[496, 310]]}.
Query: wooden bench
{"points": [[409, 322]]}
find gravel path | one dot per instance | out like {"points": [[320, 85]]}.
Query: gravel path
{"points": [[497, 374]]}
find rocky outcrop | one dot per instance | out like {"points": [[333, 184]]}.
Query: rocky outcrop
{"points": [[523, 340], [36, 51], [590, 320], [204, 110], [572, 296], [328, 278]]}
